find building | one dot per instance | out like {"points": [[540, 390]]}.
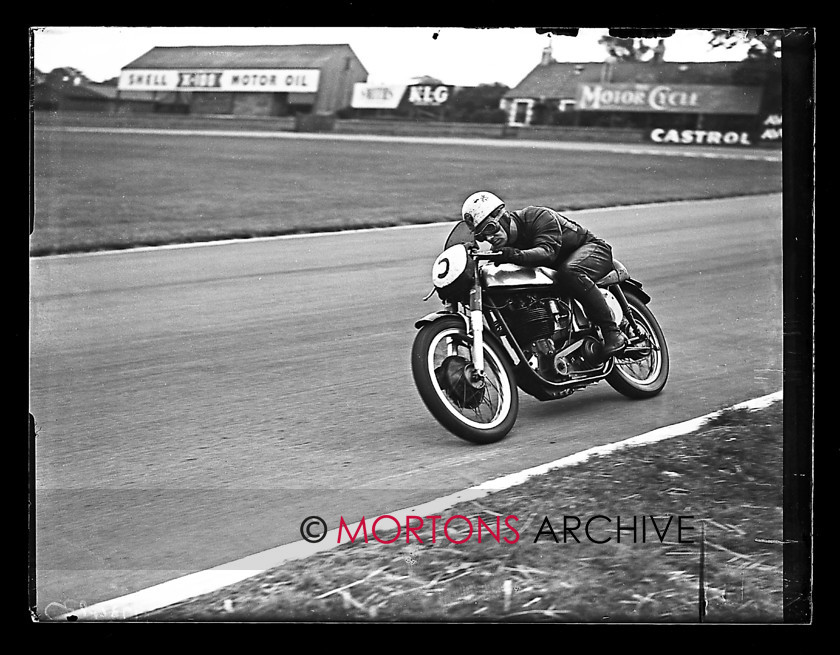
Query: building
{"points": [[658, 96], [243, 80]]}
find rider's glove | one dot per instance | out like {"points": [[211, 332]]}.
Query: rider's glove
{"points": [[508, 255]]}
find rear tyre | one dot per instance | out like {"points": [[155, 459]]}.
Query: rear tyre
{"points": [[641, 371], [441, 361]]}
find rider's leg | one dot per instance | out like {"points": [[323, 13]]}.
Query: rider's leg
{"points": [[592, 261]]}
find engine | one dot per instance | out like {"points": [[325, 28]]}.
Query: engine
{"points": [[541, 326], [532, 318]]}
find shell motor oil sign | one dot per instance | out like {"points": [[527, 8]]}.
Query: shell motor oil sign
{"points": [[259, 80]]}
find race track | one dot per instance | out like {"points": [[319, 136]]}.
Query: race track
{"points": [[194, 404]]}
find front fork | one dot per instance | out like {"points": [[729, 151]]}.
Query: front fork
{"points": [[637, 336], [477, 325], [618, 292]]}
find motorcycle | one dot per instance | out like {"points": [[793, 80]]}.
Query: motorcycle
{"points": [[505, 327]]}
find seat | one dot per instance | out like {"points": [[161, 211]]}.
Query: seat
{"points": [[618, 274]]}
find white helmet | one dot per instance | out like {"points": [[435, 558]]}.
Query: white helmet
{"points": [[479, 206]]}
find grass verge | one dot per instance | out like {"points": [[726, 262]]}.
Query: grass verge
{"points": [[721, 484], [114, 191]]}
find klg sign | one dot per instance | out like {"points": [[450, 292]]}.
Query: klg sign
{"points": [[426, 94]]}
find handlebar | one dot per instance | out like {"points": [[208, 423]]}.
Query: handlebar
{"points": [[489, 255]]}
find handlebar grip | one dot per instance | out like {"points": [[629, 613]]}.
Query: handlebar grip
{"points": [[489, 255]]}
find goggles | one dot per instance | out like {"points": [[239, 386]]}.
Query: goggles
{"points": [[491, 227]]}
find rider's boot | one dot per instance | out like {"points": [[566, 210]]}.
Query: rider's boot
{"points": [[614, 340], [596, 307]]}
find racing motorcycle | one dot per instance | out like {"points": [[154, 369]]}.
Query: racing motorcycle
{"points": [[505, 327]]}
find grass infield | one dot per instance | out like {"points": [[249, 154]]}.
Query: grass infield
{"points": [[96, 191]]}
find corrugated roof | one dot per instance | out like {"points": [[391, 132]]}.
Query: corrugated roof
{"points": [[239, 56], [560, 79]]}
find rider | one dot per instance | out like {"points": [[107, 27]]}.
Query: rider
{"points": [[540, 236]]}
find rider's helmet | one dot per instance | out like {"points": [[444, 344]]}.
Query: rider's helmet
{"points": [[478, 207]]}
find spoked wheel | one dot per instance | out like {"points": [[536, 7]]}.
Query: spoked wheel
{"points": [[641, 370], [478, 409]]}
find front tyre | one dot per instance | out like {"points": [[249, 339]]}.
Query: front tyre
{"points": [[641, 370], [441, 362]]}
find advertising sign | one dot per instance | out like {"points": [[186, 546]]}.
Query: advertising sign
{"points": [[671, 98], [377, 96], [701, 137], [251, 80], [767, 131], [429, 94], [770, 129]]}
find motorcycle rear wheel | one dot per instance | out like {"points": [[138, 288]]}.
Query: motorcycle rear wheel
{"points": [[645, 376], [483, 421]]}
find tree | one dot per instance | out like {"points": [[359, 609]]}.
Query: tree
{"points": [[478, 104], [762, 65], [619, 48], [764, 44], [631, 45], [67, 75]]}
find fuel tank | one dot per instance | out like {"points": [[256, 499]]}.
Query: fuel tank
{"points": [[513, 275]]}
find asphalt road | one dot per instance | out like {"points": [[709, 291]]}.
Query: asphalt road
{"points": [[193, 405]]}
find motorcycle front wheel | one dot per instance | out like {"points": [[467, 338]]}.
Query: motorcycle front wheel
{"points": [[481, 412], [641, 371]]}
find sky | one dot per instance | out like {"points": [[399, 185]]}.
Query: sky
{"points": [[454, 55]]}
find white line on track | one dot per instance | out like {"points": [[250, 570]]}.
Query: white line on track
{"points": [[311, 235], [224, 242], [204, 582]]}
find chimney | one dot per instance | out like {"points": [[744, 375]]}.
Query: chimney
{"points": [[547, 57]]}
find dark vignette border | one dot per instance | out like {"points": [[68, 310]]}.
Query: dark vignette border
{"points": [[798, 243]]}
